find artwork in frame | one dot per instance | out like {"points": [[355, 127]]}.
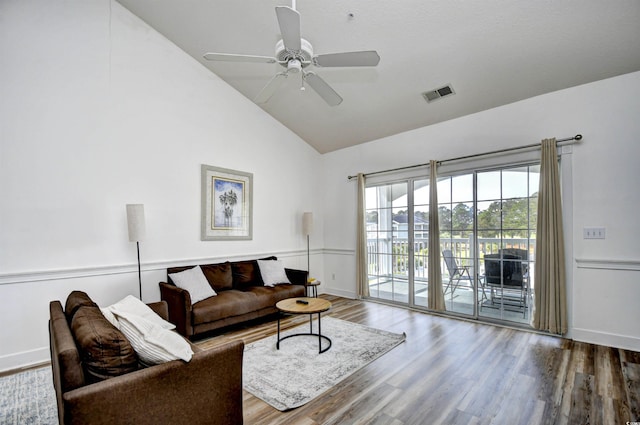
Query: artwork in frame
{"points": [[227, 204]]}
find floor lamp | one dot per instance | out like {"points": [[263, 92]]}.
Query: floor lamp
{"points": [[307, 227], [135, 221]]}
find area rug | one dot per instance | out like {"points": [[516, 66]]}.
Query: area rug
{"points": [[295, 374], [28, 398]]}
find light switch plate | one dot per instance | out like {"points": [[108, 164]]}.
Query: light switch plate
{"points": [[593, 233]]}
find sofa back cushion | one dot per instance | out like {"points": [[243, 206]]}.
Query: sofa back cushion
{"points": [[246, 274], [75, 300], [104, 350], [219, 276]]}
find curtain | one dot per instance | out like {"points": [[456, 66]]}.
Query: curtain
{"points": [[550, 306], [362, 277], [435, 295]]}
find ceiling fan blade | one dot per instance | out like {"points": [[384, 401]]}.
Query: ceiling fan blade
{"points": [[364, 58], [271, 87], [323, 89], [289, 21], [226, 57]]}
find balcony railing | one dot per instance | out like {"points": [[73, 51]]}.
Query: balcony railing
{"points": [[390, 257]]}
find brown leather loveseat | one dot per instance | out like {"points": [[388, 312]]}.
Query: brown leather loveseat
{"points": [[98, 379], [241, 296]]}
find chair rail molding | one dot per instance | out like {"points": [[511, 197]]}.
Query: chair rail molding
{"points": [[608, 264], [70, 273]]}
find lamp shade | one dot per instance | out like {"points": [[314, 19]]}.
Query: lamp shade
{"points": [[135, 221], [307, 223]]}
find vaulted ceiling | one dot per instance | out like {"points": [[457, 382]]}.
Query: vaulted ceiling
{"points": [[491, 53]]}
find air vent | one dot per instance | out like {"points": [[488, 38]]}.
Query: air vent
{"points": [[436, 94]]}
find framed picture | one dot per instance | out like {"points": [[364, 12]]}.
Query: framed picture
{"points": [[227, 204]]}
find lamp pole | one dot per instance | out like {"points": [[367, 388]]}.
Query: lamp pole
{"points": [[139, 272]]}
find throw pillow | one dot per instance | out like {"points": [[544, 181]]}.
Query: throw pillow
{"points": [[104, 350], [194, 281], [152, 343], [133, 305], [272, 272]]}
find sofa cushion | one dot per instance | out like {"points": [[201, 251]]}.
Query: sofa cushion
{"points": [[219, 276], [104, 350], [227, 304], [194, 281], [269, 296], [272, 272], [75, 300], [246, 274]]}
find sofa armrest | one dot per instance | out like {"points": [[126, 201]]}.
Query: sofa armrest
{"points": [[161, 308], [179, 304], [297, 277], [207, 390]]}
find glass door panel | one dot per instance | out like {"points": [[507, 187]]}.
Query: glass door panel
{"points": [[387, 237], [506, 210], [455, 211]]}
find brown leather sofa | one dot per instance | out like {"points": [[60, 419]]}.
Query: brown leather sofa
{"points": [[241, 296], [90, 390]]}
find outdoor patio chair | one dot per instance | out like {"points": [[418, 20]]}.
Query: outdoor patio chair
{"points": [[457, 273], [505, 275]]}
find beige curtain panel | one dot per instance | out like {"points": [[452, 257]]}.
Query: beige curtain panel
{"points": [[434, 274], [550, 305], [362, 277]]}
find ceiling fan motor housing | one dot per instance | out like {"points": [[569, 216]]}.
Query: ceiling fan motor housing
{"points": [[304, 55]]}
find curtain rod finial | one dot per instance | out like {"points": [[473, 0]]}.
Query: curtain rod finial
{"points": [[578, 137]]}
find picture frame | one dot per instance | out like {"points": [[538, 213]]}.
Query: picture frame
{"points": [[227, 204]]}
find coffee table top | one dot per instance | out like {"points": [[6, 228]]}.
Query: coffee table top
{"points": [[316, 305]]}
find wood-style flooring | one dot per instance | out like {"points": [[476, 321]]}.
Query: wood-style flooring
{"points": [[452, 371]]}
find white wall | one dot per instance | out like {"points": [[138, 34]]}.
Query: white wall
{"points": [[605, 288], [97, 111]]}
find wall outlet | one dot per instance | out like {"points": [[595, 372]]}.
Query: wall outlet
{"points": [[593, 233]]}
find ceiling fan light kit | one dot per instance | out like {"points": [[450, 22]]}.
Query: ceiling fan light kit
{"points": [[294, 53]]}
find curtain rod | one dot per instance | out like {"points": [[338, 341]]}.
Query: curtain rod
{"points": [[577, 137]]}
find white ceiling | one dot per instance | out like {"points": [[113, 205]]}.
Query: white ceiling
{"points": [[492, 52]]}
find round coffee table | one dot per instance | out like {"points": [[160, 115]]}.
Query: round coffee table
{"points": [[305, 305]]}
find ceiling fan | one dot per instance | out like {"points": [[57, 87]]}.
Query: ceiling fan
{"points": [[295, 54]]}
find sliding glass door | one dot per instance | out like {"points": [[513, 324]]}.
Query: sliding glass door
{"points": [[487, 238]]}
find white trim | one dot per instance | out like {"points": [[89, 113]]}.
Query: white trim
{"points": [[71, 273], [340, 293], [608, 264], [337, 251], [25, 359], [606, 339]]}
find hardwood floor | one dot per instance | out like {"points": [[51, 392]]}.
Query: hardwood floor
{"points": [[451, 371]]}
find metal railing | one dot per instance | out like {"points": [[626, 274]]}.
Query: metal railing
{"points": [[390, 257]]}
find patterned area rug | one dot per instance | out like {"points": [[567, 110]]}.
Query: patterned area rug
{"points": [[28, 398], [296, 374]]}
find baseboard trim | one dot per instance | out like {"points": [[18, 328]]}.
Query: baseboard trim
{"points": [[340, 293], [16, 362], [606, 339]]}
